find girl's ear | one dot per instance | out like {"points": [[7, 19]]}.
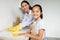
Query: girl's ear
{"points": [[41, 16]]}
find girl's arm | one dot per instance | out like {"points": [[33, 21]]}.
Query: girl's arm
{"points": [[38, 37]]}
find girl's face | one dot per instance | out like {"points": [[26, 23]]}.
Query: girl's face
{"points": [[25, 7], [36, 12]]}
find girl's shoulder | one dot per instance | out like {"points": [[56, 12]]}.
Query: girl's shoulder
{"points": [[41, 24]]}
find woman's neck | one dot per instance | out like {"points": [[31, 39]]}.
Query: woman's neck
{"points": [[28, 11]]}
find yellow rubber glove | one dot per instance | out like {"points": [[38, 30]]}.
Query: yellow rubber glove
{"points": [[16, 28]]}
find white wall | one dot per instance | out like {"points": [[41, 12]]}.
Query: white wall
{"points": [[51, 11], [52, 14], [8, 11]]}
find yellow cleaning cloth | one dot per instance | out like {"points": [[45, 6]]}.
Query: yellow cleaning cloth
{"points": [[16, 28]]}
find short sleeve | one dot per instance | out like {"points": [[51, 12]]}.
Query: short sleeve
{"points": [[41, 25]]}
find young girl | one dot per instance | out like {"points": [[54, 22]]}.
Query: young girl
{"points": [[37, 28]]}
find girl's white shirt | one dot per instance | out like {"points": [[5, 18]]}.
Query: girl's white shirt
{"points": [[35, 27]]}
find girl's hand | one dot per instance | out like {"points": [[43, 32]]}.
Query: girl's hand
{"points": [[27, 34], [21, 34], [24, 34]]}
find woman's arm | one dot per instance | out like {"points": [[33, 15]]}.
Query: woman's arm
{"points": [[38, 37]]}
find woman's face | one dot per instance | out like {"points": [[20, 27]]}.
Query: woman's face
{"points": [[36, 12], [25, 7]]}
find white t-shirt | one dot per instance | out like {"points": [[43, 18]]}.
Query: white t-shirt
{"points": [[38, 26]]}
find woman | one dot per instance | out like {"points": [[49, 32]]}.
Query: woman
{"points": [[27, 20], [37, 29]]}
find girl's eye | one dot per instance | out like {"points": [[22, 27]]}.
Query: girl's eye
{"points": [[37, 11]]}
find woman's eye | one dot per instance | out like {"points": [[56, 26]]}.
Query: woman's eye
{"points": [[33, 11], [22, 6], [25, 5]]}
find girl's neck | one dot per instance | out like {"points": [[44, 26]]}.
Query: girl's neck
{"points": [[38, 19]]}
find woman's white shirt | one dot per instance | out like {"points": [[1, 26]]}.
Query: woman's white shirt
{"points": [[27, 20]]}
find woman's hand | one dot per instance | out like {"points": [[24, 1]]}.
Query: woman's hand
{"points": [[18, 20], [14, 24]]}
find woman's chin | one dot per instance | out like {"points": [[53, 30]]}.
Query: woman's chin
{"points": [[35, 17]]}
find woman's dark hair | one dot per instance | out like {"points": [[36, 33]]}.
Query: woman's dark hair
{"points": [[27, 3], [40, 9]]}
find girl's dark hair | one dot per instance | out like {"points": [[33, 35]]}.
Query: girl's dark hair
{"points": [[27, 3], [39, 8]]}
